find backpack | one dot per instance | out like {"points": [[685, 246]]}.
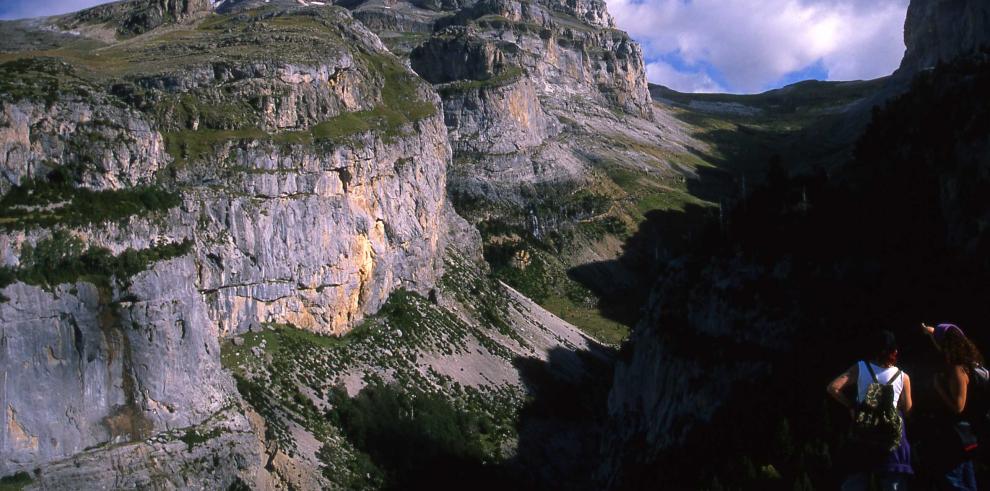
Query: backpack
{"points": [[980, 379], [978, 404], [878, 426]]}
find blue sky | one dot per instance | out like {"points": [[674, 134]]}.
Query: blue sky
{"points": [[741, 46], [748, 46], [17, 9]]}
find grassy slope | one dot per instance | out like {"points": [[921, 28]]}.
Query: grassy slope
{"points": [[796, 122]]}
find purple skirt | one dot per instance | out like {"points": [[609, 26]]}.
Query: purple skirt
{"points": [[899, 460]]}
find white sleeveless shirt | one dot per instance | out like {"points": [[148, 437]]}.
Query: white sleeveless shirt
{"points": [[883, 376]]}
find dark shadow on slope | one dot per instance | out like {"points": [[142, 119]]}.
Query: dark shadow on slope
{"points": [[663, 236], [746, 152], [419, 440], [560, 425], [897, 237]]}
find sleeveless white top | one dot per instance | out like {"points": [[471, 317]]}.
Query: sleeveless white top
{"points": [[883, 376]]}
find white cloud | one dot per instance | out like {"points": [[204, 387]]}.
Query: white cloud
{"points": [[752, 44], [681, 81], [19, 9]]}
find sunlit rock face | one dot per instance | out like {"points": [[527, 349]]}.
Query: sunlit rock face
{"points": [[508, 71], [299, 172]]}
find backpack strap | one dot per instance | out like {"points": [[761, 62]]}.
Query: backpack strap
{"points": [[869, 366], [892, 379]]}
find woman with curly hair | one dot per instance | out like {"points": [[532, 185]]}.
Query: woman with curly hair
{"points": [[960, 359]]}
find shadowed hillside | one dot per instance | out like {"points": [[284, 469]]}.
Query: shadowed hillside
{"points": [[771, 302]]}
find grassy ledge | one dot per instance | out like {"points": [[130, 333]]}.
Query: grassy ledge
{"points": [[64, 258], [400, 106], [46, 203]]}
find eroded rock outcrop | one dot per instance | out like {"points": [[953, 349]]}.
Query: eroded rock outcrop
{"points": [[508, 71], [81, 131]]}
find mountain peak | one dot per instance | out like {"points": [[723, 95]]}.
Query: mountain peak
{"points": [[140, 16]]}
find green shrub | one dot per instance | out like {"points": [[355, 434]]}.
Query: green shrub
{"points": [[63, 258], [51, 201], [15, 482], [414, 436]]}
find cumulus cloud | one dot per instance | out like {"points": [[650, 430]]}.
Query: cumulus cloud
{"points": [[19, 9], [749, 46], [681, 80]]}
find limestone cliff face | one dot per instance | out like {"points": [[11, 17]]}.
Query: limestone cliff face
{"points": [[939, 30], [306, 171], [80, 371], [324, 236], [108, 146], [508, 71], [563, 48]]}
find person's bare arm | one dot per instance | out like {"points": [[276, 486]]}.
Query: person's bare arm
{"points": [[954, 395], [906, 403], [835, 389], [930, 331]]}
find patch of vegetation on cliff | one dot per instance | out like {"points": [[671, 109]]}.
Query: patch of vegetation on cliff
{"points": [[506, 76], [541, 276], [42, 79], [406, 325], [194, 145], [54, 201], [195, 436], [639, 193], [528, 249], [63, 258], [15, 482], [400, 106]]}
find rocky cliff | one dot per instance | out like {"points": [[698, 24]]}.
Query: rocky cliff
{"points": [[265, 166], [511, 72], [187, 195], [940, 30], [553, 131]]}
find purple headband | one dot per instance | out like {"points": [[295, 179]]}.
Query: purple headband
{"points": [[941, 329]]}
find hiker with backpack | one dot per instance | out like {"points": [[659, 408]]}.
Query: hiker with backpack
{"points": [[958, 385], [877, 445]]}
